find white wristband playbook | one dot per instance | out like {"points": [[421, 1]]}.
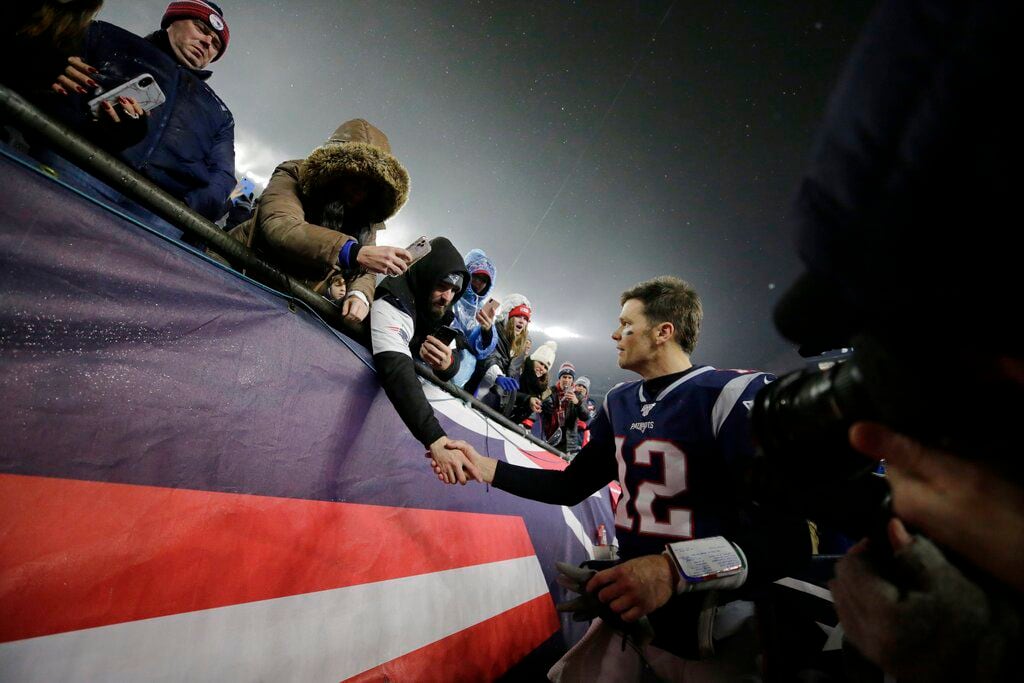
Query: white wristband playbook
{"points": [[707, 564]]}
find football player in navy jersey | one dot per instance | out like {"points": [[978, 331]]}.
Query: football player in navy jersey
{"points": [[678, 442]]}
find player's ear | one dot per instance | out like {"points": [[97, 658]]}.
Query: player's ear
{"points": [[664, 332]]}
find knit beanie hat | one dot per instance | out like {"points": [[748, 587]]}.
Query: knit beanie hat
{"points": [[567, 368], [516, 305], [545, 353], [583, 382], [205, 11]]}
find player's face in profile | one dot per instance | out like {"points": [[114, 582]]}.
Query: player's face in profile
{"points": [[633, 338]]}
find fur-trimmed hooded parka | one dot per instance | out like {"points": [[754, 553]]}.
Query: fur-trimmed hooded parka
{"points": [[298, 224]]}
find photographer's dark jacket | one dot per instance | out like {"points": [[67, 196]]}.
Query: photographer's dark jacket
{"points": [[289, 228], [400, 320], [902, 214], [189, 147]]}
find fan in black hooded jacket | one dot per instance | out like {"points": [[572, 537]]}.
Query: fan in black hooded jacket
{"points": [[403, 315]]}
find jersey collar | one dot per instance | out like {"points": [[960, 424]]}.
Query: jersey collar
{"points": [[671, 387]]}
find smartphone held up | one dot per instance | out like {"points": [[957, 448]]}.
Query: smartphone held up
{"points": [[142, 88]]}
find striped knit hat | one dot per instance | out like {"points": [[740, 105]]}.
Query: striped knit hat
{"points": [[567, 368], [203, 10]]}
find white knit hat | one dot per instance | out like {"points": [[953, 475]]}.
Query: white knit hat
{"points": [[545, 353]]}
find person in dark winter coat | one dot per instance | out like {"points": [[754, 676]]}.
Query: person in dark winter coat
{"points": [[319, 217], [521, 403], [188, 149], [562, 410], [408, 313], [587, 411]]}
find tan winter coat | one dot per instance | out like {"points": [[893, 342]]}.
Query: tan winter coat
{"points": [[279, 232]]}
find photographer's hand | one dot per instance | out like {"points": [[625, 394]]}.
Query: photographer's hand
{"points": [[921, 619], [946, 496]]}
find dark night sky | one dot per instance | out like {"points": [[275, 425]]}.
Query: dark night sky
{"points": [[584, 146]]}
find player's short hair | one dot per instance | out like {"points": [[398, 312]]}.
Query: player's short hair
{"points": [[668, 299]]}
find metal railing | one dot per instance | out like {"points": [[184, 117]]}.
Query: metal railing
{"points": [[22, 114]]}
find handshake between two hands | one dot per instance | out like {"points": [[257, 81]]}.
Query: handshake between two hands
{"points": [[458, 462]]}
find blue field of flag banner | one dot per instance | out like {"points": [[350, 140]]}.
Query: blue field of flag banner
{"points": [[202, 482]]}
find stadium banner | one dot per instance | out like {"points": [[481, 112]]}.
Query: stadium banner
{"points": [[202, 482]]}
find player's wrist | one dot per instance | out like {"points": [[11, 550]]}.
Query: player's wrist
{"points": [[670, 570], [706, 564], [487, 467]]}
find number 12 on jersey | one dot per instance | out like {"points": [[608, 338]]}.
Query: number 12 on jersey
{"points": [[671, 483]]}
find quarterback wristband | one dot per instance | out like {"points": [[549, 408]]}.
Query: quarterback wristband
{"points": [[707, 564]]}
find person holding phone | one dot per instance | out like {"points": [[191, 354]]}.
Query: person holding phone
{"points": [[474, 315], [319, 216], [411, 318], [187, 148]]}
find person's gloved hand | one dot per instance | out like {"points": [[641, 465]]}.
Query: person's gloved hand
{"points": [[586, 606], [507, 384], [922, 619]]}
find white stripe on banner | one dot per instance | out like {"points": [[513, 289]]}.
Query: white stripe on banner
{"points": [[324, 636], [460, 413], [577, 530]]}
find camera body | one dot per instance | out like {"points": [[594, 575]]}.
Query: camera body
{"points": [[801, 425]]}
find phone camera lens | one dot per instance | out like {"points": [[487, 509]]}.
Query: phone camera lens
{"points": [[145, 82]]}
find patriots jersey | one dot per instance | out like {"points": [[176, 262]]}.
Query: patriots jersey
{"points": [[681, 456]]}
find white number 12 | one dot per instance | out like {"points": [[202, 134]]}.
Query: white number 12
{"points": [[671, 483]]}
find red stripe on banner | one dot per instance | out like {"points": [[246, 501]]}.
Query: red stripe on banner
{"points": [[545, 460], [482, 652], [78, 554]]}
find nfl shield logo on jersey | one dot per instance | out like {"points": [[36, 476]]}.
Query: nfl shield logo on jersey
{"points": [[646, 408]]}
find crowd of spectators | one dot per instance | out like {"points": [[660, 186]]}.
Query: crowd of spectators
{"points": [[318, 218], [954, 588]]}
